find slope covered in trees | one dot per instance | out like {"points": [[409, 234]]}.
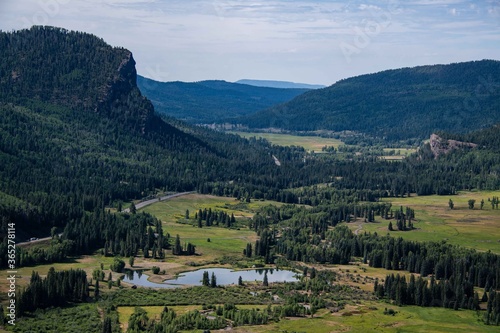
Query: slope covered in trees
{"points": [[396, 104], [76, 135], [211, 101]]}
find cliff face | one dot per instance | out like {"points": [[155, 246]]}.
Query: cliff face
{"points": [[440, 146], [75, 70], [122, 98]]}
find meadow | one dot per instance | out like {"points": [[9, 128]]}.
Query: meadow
{"points": [[365, 317], [369, 317], [435, 221], [310, 143], [223, 241]]}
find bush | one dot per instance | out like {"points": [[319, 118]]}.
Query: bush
{"points": [[118, 265], [156, 270]]}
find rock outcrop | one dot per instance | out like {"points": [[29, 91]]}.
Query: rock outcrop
{"points": [[440, 146]]}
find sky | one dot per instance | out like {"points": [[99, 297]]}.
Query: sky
{"points": [[317, 42]]}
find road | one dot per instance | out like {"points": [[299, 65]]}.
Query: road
{"points": [[152, 201], [36, 241], [138, 206]]}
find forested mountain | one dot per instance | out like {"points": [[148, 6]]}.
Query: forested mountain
{"points": [[211, 101], [76, 134], [396, 104], [279, 84]]}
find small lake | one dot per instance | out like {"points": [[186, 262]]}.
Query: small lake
{"points": [[224, 277]]}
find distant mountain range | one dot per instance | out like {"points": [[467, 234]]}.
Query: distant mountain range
{"points": [[280, 84], [396, 104], [211, 101]]}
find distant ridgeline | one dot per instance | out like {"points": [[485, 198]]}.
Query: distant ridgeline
{"points": [[211, 101], [396, 104]]}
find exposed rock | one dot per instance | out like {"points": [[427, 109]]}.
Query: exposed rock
{"points": [[440, 146]]}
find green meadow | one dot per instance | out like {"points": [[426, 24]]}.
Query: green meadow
{"points": [[223, 241], [366, 317], [310, 143], [435, 221], [370, 317]]}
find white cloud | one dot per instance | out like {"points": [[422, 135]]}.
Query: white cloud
{"points": [[297, 40]]}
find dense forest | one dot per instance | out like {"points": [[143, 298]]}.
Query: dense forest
{"points": [[77, 137], [65, 155], [210, 101], [80, 135], [393, 104]]}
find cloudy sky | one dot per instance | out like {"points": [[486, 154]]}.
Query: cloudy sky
{"points": [[293, 40]]}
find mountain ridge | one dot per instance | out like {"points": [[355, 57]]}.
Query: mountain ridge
{"points": [[397, 104], [279, 84], [211, 100]]}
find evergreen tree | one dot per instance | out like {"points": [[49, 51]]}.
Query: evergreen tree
{"points": [[265, 282], [133, 210], [213, 281], [96, 290], [471, 203], [107, 327], [205, 280], [131, 261]]}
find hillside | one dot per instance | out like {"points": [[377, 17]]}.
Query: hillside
{"points": [[211, 101], [76, 135], [279, 84], [396, 104]]}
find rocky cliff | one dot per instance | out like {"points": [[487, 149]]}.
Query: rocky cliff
{"points": [[440, 146]]}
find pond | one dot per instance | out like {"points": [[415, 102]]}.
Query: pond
{"points": [[224, 277]]}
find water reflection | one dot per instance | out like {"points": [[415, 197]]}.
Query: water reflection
{"points": [[224, 277]]}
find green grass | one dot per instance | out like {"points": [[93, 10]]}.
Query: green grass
{"points": [[314, 143], [124, 312], [78, 318], [366, 318], [87, 263], [478, 229]]}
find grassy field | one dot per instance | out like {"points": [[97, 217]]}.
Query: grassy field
{"points": [[223, 241], [87, 263], [399, 153], [368, 317], [314, 143], [124, 312], [435, 221]]}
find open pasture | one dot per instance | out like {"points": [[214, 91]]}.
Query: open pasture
{"points": [[310, 143], [435, 221], [223, 241]]}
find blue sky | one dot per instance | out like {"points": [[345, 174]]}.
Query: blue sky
{"points": [[302, 41]]}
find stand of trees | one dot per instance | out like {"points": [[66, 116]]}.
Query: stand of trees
{"points": [[57, 289], [457, 292]]}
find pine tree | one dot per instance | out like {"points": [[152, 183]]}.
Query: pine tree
{"points": [[213, 281], [96, 290], [107, 327], [265, 283], [133, 210]]}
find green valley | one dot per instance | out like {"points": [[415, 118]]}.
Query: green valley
{"points": [[377, 229]]}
